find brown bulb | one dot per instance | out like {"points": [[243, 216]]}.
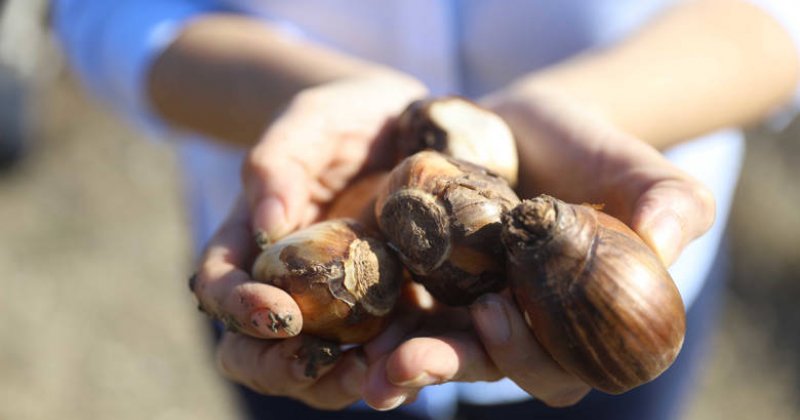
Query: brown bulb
{"points": [[460, 128], [357, 200], [443, 217], [594, 295], [344, 280]]}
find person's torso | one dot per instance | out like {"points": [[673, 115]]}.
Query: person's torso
{"points": [[465, 46]]}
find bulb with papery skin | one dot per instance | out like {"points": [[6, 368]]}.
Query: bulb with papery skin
{"points": [[459, 128], [596, 297], [345, 281], [443, 217]]}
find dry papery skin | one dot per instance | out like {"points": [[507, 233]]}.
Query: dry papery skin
{"points": [[460, 128], [595, 296], [443, 217], [344, 280]]}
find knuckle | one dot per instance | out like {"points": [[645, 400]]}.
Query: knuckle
{"points": [[256, 164]]}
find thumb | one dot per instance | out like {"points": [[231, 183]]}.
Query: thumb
{"points": [[672, 213]]}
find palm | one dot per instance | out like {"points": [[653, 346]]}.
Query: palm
{"points": [[569, 151], [324, 139]]}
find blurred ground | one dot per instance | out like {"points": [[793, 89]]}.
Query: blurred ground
{"points": [[754, 369], [97, 322]]}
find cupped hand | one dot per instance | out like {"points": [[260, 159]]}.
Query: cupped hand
{"points": [[253, 313], [486, 342], [571, 152], [262, 349], [325, 137]]}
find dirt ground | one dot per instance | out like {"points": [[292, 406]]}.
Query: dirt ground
{"points": [[97, 322]]}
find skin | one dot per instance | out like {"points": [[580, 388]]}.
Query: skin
{"points": [[603, 115]]}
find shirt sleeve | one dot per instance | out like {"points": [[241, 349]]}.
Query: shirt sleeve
{"points": [[112, 44], [787, 14]]}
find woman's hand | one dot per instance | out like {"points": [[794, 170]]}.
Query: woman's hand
{"points": [[565, 150], [325, 137], [255, 314], [486, 342], [263, 351], [568, 151]]}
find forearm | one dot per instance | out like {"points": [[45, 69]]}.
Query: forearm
{"points": [[701, 66], [227, 76]]}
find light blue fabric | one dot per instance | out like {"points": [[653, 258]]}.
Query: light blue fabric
{"points": [[112, 45]]}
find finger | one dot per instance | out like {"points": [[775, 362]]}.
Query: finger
{"points": [[672, 213], [630, 178], [395, 378], [664, 205], [424, 361], [519, 356], [228, 293], [378, 392], [342, 385], [271, 367], [398, 330], [437, 318], [277, 190]]}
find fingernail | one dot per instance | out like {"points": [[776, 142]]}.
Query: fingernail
{"points": [[393, 403], [423, 379], [491, 319], [271, 324], [353, 379], [665, 233], [270, 219]]}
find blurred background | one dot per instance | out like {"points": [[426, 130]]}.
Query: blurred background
{"points": [[96, 320]]}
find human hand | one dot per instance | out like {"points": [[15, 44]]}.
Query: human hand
{"points": [[254, 314], [486, 342], [326, 136], [571, 152]]}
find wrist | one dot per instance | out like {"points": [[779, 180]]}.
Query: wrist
{"points": [[583, 83], [531, 106]]}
